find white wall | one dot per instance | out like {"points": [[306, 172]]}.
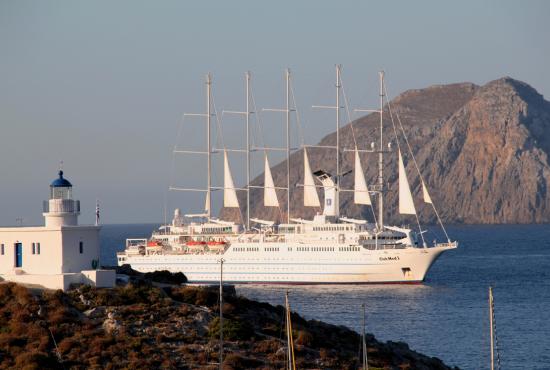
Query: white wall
{"points": [[59, 249], [49, 261], [73, 260]]}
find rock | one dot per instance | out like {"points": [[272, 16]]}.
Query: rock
{"points": [[84, 301], [96, 312], [111, 326], [483, 153]]}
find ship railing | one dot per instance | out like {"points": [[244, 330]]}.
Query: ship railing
{"points": [[447, 244], [135, 243], [373, 247], [61, 206]]}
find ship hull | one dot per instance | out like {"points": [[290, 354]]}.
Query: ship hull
{"points": [[294, 264]]}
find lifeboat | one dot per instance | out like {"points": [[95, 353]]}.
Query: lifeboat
{"points": [[195, 243], [154, 247], [216, 243]]}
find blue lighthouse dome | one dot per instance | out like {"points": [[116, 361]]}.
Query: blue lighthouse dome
{"points": [[61, 182]]}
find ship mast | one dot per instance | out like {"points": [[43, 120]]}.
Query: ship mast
{"points": [[338, 86], [287, 77], [336, 147], [248, 150], [208, 145], [381, 159]]}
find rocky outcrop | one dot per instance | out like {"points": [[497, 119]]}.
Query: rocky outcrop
{"points": [[483, 152], [139, 326]]}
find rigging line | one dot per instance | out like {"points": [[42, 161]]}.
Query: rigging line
{"points": [[261, 139], [219, 133], [298, 121], [399, 148], [414, 161], [300, 128], [350, 116], [172, 169], [346, 105], [220, 137]]}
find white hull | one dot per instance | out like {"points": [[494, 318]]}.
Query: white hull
{"points": [[272, 265]]}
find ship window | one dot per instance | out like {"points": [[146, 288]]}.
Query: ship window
{"points": [[37, 248], [33, 248], [2, 249], [81, 247]]}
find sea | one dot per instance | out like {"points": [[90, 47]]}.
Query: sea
{"points": [[448, 315]]}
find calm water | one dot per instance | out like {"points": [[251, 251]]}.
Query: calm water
{"points": [[446, 317]]}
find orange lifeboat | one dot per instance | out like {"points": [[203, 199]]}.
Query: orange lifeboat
{"points": [[195, 243], [216, 243]]}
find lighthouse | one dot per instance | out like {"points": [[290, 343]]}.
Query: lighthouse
{"points": [[60, 253], [61, 209]]}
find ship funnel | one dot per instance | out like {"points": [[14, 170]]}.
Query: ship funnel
{"points": [[331, 206]]}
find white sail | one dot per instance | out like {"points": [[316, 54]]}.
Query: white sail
{"points": [[229, 193], [207, 202], [406, 204], [311, 198], [270, 195], [427, 198], [360, 192]]}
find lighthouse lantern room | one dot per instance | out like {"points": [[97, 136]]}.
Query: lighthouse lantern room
{"points": [[61, 209]]}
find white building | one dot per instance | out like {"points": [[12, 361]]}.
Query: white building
{"points": [[57, 254]]}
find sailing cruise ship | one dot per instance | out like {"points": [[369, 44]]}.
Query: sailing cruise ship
{"points": [[328, 249]]}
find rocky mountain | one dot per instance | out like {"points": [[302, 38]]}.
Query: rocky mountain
{"points": [[482, 150]]}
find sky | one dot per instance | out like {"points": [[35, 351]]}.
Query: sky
{"points": [[102, 85]]}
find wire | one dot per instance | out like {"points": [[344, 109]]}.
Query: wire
{"points": [[351, 121], [414, 159], [262, 141]]}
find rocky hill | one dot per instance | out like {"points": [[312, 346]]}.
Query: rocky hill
{"points": [[483, 151], [139, 326]]}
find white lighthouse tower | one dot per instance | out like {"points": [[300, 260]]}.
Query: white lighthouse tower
{"points": [[61, 209], [58, 254]]}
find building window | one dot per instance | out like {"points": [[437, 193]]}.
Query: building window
{"points": [[2, 249], [37, 248], [81, 247], [33, 248]]}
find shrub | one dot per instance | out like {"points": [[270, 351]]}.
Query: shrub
{"points": [[304, 338], [166, 277], [232, 329], [234, 361]]}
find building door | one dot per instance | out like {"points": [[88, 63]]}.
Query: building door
{"points": [[18, 255]]}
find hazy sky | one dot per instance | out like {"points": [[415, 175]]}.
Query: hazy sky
{"points": [[102, 85]]}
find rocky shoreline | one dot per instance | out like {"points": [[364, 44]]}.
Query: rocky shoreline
{"points": [[144, 324]]}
